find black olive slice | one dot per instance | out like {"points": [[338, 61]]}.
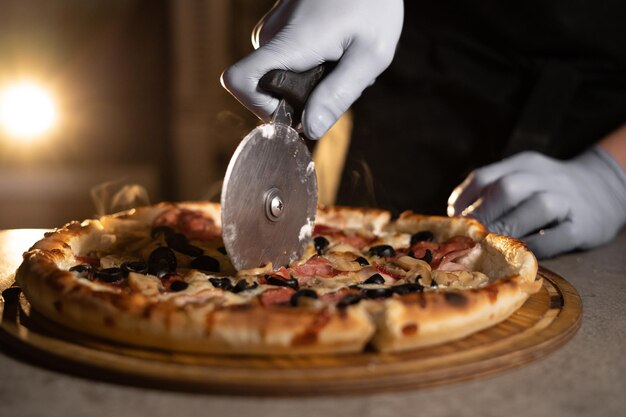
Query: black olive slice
{"points": [[375, 279], [178, 286], [162, 261], [110, 275], [383, 251], [281, 282], [362, 261], [205, 263], [320, 243], [407, 288], [82, 270], [434, 284], [222, 283], [222, 250], [378, 292], [242, 285], [190, 250], [422, 236], [349, 300], [306, 292], [161, 230], [134, 266], [175, 240], [180, 243]]}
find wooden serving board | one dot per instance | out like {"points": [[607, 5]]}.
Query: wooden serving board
{"points": [[544, 323]]}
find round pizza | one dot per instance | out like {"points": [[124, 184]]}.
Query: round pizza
{"points": [[159, 277]]}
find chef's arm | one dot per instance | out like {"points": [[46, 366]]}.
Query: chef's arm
{"points": [[553, 206], [297, 35]]}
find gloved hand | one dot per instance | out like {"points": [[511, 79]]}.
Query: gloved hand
{"points": [[553, 206], [297, 35]]}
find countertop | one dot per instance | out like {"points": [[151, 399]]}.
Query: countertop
{"points": [[586, 377]]}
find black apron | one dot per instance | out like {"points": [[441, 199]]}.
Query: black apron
{"points": [[473, 82]]}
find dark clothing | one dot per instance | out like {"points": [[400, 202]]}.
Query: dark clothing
{"points": [[473, 82]]}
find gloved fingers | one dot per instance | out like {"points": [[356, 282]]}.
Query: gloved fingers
{"points": [[285, 51], [271, 23], [356, 70], [540, 210], [553, 241], [241, 80], [470, 190], [505, 194]]}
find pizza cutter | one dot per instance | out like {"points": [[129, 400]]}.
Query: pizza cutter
{"points": [[269, 195]]}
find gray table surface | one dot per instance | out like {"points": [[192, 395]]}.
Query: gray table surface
{"points": [[586, 377]]}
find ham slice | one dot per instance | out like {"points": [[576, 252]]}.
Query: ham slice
{"points": [[317, 266], [192, 223], [277, 296]]}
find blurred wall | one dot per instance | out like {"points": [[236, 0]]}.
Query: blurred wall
{"points": [[137, 84]]}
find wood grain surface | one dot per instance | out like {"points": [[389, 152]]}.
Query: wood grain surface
{"points": [[544, 323]]}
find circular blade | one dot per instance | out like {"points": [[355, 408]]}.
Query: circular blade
{"points": [[269, 198]]}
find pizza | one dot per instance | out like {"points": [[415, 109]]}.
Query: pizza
{"points": [[159, 277]]}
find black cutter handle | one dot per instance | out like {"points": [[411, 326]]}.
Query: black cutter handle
{"points": [[293, 87]]}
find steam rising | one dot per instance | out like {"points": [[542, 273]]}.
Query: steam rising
{"points": [[362, 183], [113, 196]]}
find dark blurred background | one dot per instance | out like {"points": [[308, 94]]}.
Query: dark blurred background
{"points": [[137, 91]]}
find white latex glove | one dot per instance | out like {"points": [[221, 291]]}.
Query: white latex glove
{"points": [[298, 35], [553, 206]]}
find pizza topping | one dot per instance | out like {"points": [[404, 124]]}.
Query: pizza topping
{"points": [[317, 266], [180, 243], [322, 229], [281, 282], [194, 224], [110, 275], [418, 250], [134, 266], [162, 261], [343, 262], [299, 297], [320, 243], [349, 300], [382, 251], [221, 283], [422, 236], [205, 263], [362, 261], [375, 279], [390, 270], [242, 285], [161, 231], [277, 296], [178, 285], [381, 292], [356, 238], [408, 288], [88, 260], [460, 279], [408, 263], [82, 270], [428, 256]]}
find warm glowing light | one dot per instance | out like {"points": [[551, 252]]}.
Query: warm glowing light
{"points": [[27, 111]]}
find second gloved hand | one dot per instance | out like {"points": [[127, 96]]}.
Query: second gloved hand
{"points": [[553, 206], [298, 35]]}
